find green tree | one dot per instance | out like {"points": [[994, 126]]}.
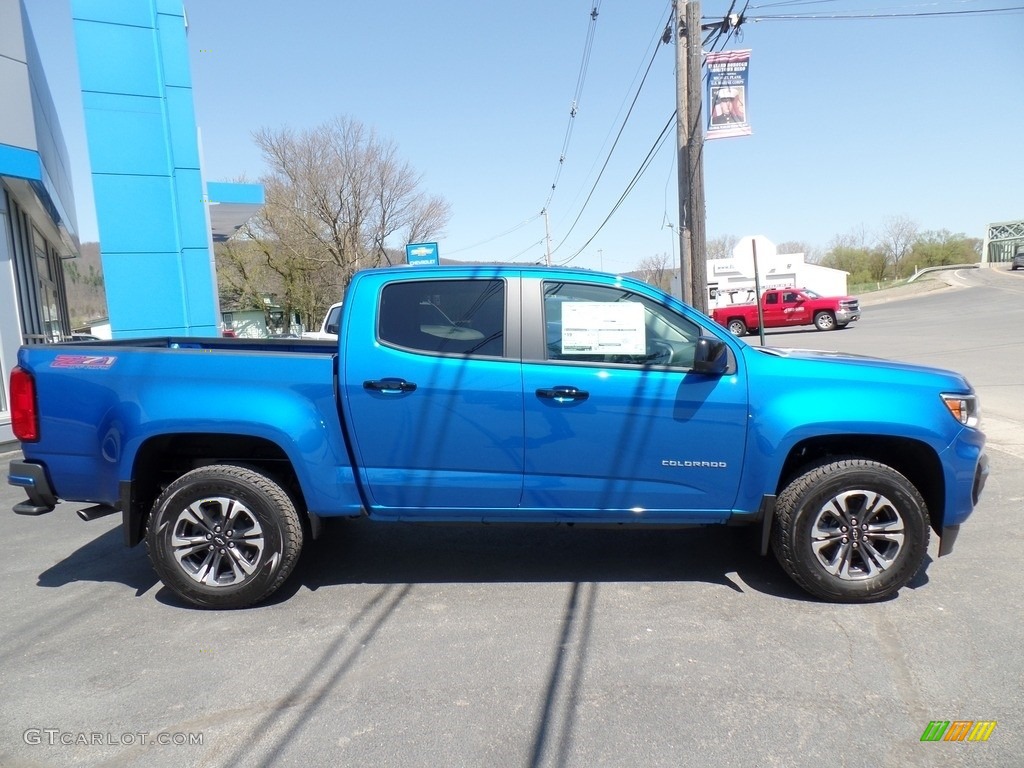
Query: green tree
{"points": [[852, 253], [943, 248]]}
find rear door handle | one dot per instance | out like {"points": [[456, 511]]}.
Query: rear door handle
{"points": [[389, 385], [563, 394]]}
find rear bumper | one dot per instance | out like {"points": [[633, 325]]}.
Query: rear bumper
{"points": [[32, 477]]}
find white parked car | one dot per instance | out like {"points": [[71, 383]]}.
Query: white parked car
{"points": [[329, 327]]}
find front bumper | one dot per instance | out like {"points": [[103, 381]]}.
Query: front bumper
{"points": [[948, 534], [844, 316], [32, 477]]}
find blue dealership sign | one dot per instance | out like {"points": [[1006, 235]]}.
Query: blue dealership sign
{"points": [[418, 254]]}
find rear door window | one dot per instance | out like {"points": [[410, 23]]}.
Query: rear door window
{"points": [[445, 317]]}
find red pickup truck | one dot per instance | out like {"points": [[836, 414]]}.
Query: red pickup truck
{"points": [[790, 306]]}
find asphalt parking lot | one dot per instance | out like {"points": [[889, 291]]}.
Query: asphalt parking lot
{"points": [[452, 646]]}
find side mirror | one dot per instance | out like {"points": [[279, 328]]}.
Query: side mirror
{"points": [[332, 328], [710, 355]]}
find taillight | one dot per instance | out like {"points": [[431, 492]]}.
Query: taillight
{"points": [[24, 418]]}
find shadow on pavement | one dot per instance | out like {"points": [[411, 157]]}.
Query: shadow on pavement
{"points": [[104, 559], [365, 552]]}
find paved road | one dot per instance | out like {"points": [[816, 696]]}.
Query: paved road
{"points": [[508, 647]]}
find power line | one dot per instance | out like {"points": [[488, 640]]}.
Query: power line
{"points": [[662, 34], [840, 16], [611, 151], [576, 97], [729, 22], [508, 231], [651, 154]]}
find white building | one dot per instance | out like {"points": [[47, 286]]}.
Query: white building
{"points": [[731, 281]]}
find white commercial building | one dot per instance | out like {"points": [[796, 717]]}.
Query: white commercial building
{"points": [[731, 281]]}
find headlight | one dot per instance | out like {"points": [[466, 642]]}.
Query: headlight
{"points": [[964, 408]]}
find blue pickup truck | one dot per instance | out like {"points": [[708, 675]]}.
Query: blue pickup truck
{"points": [[498, 395]]}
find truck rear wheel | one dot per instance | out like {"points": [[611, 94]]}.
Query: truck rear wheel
{"points": [[737, 327], [224, 536], [825, 321], [851, 531]]}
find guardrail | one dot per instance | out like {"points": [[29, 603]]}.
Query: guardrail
{"points": [[918, 273]]}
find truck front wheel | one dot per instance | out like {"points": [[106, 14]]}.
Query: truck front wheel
{"points": [[851, 531], [737, 327], [825, 321], [223, 536]]}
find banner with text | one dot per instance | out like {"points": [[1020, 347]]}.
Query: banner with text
{"points": [[728, 105]]}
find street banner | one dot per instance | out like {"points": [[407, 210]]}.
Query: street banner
{"points": [[728, 105]]}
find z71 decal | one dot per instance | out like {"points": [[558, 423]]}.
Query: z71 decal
{"points": [[101, 362]]}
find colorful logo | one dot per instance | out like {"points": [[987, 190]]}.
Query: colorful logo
{"points": [[101, 362], [958, 730]]}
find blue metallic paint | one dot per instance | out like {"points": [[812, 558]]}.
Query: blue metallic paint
{"points": [[473, 442]]}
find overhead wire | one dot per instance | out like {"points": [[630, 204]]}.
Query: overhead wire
{"points": [[651, 154], [508, 231], [659, 142], [875, 15], [719, 36], [577, 96], [608, 157]]}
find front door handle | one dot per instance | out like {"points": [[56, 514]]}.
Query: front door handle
{"points": [[389, 385], [563, 394]]}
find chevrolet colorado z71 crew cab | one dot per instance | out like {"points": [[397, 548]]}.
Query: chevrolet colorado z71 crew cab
{"points": [[498, 394]]}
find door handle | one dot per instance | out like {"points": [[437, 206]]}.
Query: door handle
{"points": [[563, 394], [389, 385]]}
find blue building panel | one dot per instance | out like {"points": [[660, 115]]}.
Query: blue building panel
{"points": [[136, 214], [157, 311], [173, 51], [116, 58], [21, 163], [127, 134], [170, 7], [188, 190], [112, 12], [234, 192], [150, 196], [182, 128], [198, 281]]}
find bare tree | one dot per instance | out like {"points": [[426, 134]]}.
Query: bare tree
{"points": [[810, 253], [896, 241], [656, 271], [721, 247], [337, 196]]}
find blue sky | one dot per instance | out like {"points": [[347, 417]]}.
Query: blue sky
{"points": [[854, 120]]}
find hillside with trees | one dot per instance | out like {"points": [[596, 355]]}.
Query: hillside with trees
{"points": [[83, 279]]}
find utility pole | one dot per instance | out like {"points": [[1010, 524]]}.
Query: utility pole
{"points": [[683, 151], [698, 215], [690, 154]]}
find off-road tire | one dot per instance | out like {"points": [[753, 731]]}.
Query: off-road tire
{"points": [[224, 536], [851, 530]]}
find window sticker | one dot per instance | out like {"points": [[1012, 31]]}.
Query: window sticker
{"points": [[603, 328]]}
